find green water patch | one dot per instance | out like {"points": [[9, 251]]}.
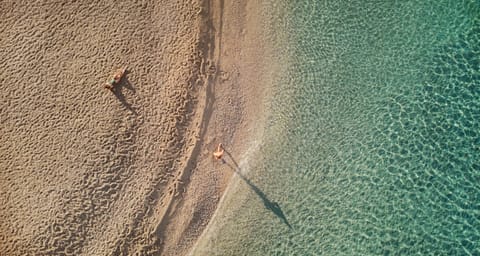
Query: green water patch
{"points": [[378, 150]]}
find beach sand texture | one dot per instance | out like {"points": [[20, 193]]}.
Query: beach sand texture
{"points": [[86, 171]]}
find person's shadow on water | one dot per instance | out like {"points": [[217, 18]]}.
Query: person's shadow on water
{"points": [[117, 91], [270, 205]]}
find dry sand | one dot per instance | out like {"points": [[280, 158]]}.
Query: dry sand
{"points": [[84, 171]]}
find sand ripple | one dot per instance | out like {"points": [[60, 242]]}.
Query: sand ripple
{"points": [[84, 170]]}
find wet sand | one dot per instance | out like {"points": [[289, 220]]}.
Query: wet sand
{"points": [[233, 116], [87, 171]]}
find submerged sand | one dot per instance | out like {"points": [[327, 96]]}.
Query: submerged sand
{"points": [[86, 171]]}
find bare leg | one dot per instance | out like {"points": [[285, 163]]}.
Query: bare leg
{"points": [[108, 86]]}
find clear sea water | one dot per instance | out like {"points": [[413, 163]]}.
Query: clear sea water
{"points": [[372, 141]]}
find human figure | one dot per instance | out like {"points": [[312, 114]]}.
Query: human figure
{"points": [[218, 154], [115, 79]]}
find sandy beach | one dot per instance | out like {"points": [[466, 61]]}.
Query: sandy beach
{"points": [[233, 116], [88, 171]]}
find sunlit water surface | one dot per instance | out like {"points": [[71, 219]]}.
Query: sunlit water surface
{"points": [[372, 144]]}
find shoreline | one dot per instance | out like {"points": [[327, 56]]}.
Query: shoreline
{"points": [[231, 111], [256, 52]]}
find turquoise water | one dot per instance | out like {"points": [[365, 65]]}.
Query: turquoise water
{"points": [[377, 151]]}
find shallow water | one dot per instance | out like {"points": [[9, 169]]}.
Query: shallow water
{"points": [[377, 149]]}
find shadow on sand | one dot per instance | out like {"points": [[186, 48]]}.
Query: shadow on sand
{"points": [[274, 207], [117, 91]]}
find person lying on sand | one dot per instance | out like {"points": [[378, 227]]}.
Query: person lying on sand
{"points": [[218, 154], [115, 79]]}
